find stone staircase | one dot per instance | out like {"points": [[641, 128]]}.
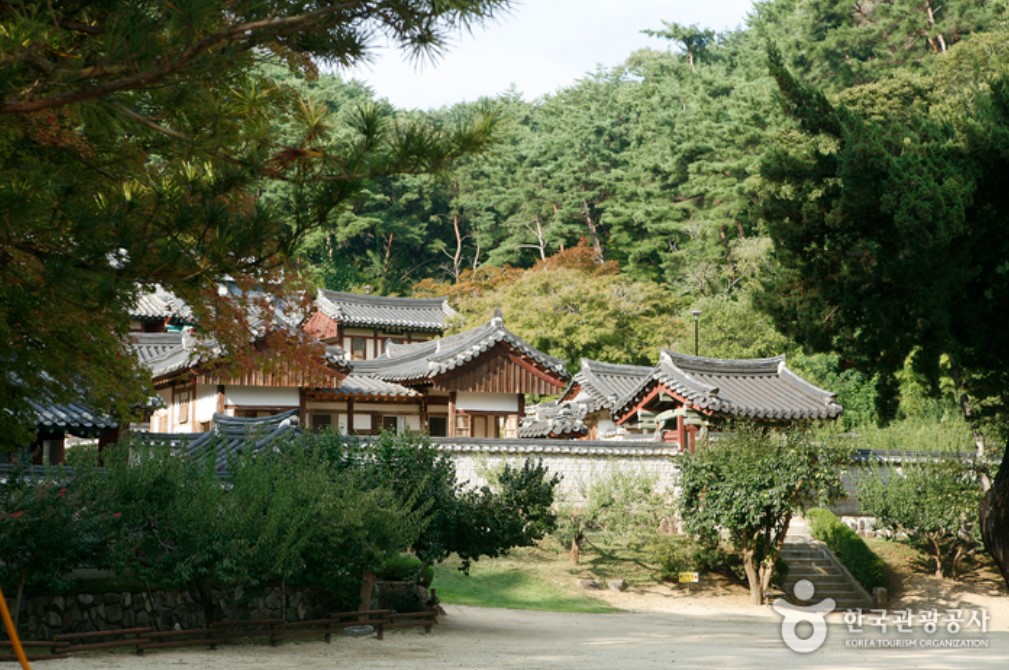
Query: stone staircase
{"points": [[809, 559]]}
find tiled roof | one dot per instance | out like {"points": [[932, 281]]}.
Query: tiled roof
{"points": [[426, 360], [229, 435], [158, 304], [72, 418], [555, 420], [354, 309], [369, 387], [167, 353], [635, 448], [606, 383], [758, 388]]}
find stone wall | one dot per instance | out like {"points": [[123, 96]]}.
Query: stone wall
{"points": [[44, 616], [578, 462]]}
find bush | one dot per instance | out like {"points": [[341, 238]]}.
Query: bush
{"points": [[932, 505], [862, 563], [677, 553], [405, 568]]}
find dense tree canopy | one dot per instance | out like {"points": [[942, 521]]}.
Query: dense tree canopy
{"points": [[134, 140]]}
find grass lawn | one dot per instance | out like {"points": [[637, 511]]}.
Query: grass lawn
{"points": [[538, 578]]}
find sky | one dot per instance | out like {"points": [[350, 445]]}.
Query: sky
{"points": [[539, 46]]}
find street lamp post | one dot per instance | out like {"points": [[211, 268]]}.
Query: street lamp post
{"points": [[697, 318]]}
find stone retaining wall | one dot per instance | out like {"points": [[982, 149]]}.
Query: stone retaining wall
{"points": [[44, 616]]}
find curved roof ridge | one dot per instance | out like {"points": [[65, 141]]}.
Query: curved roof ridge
{"points": [[370, 298], [791, 378], [685, 362]]}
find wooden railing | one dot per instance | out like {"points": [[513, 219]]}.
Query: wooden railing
{"points": [[274, 631]]}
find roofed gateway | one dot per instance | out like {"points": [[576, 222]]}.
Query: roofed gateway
{"points": [[694, 392]]}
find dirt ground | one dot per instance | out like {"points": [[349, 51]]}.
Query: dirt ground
{"points": [[665, 628]]}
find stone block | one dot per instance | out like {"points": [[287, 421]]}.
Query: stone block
{"points": [[113, 613], [54, 620], [617, 585]]}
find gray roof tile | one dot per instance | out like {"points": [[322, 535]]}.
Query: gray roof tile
{"points": [[758, 388], [354, 309], [72, 418], [426, 360], [369, 387]]}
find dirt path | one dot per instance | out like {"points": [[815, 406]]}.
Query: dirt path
{"points": [[488, 639]]}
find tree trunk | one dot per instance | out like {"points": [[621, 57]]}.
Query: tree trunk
{"points": [[367, 587], [17, 599], [590, 223], [995, 518], [752, 578], [457, 257], [576, 549], [956, 372]]}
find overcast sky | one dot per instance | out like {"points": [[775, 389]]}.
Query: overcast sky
{"points": [[539, 46]]}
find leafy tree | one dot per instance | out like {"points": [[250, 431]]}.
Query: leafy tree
{"points": [[134, 141], [888, 242], [932, 505], [748, 484], [569, 306], [693, 39], [47, 527]]}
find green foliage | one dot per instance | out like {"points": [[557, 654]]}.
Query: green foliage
{"points": [[570, 307], [677, 553], [449, 519], [517, 514], [48, 526], [748, 484], [134, 143], [863, 564], [620, 509], [405, 567], [931, 504]]}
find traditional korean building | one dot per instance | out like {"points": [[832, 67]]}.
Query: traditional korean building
{"points": [[363, 324], [684, 395], [585, 409], [56, 425], [158, 311], [193, 386], [472, 384]]}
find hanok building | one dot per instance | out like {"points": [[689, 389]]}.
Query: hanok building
{"points": [[57, 425], [158, 311], [193, 387], [684, 395], [585, 409], [364, 324], [472, 384]]}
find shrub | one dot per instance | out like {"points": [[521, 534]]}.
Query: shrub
{"points": [[863, 564], [407, 568], [678, 553], [933, 504]]}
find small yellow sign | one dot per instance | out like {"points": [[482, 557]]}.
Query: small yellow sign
{"points": [[690, 577]]}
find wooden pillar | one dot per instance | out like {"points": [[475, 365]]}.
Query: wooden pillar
{"points": [[451, 414], [350, 416], [220, 399], [194, 425], [301, 407], [681, 432], [422, 403]]}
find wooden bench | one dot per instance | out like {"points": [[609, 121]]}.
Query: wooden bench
{"points": [[100, 639]]}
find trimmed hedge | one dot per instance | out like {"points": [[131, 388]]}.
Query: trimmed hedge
{"points": [[863, 564]]}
